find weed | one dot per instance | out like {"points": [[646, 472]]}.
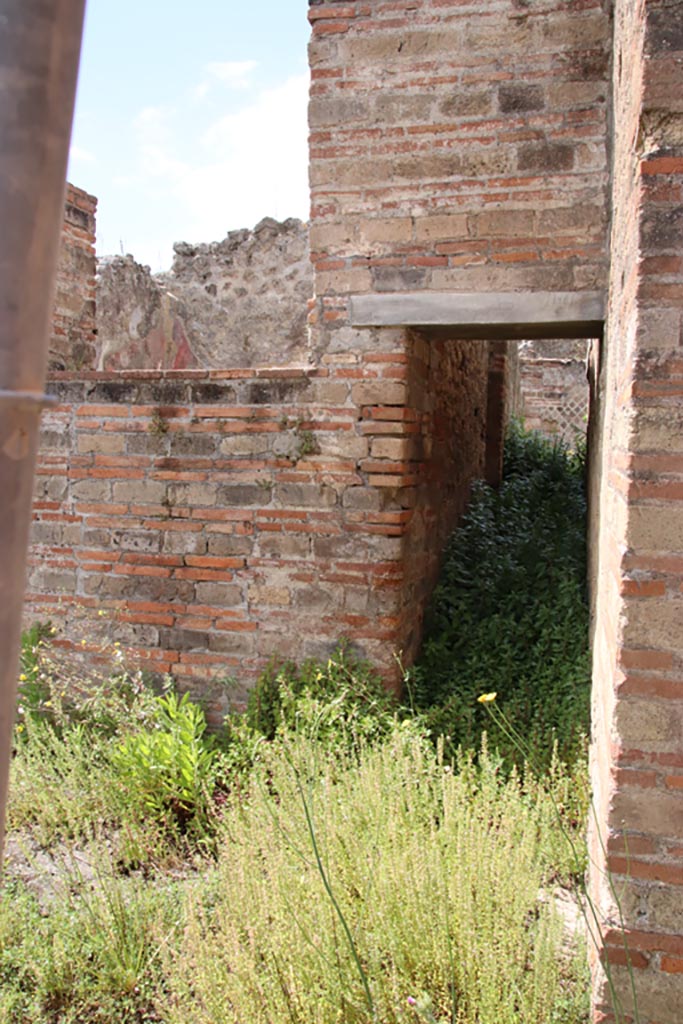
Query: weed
{"points": [[168, 768], [510, 611], [158, 424], [359, 890], [307, 444]]}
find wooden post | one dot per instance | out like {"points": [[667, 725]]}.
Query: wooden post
{"points": [[39, 51]]}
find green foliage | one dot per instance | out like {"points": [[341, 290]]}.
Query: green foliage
{"points": [[510, 612], [354, 874], [353, 887], [34, 688], [168, 768], [93, 959], [341, 701]]}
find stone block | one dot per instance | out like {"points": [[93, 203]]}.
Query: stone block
{"points": [[386, 229], [96, 490], [235, 495], [276, 545], [656, 528], [305, 495], [195, 495], [366, 499], [276, 597], [220, 595], [395, 448], [379, 392], [443, 227], [105, 444], [226, 544], [518, 98], [135, 540], [182, 542], [545, 157], [139, 492]]}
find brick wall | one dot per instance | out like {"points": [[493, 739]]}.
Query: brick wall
{"points": [[72, 342], [220, 518], [637, 755], [457, 146]]}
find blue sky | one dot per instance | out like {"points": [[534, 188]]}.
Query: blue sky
{"points": [[190, 119]]}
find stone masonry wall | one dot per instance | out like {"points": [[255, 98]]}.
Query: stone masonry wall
{"points": [[72, 341], [220, 518], [457, 146], [637, 752], [454, 146], [448, 385], [235, 303], [553, 388]]}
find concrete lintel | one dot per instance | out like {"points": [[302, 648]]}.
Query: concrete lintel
{"points": [[484, 314]]}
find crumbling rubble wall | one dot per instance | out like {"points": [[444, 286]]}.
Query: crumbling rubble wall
{"points": [[238, 302]]}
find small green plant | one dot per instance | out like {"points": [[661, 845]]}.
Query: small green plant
{"points": [[307, 444], [340, 701], [35, 678], [594, 925], [158, 424], [168, 768]]}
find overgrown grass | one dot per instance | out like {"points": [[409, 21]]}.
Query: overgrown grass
{"points": [[510, 612], [353, 875], [331, 857], [360, 890]]}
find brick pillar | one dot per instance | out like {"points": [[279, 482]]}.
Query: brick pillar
{"points": [[637, 752], [72, 342]]}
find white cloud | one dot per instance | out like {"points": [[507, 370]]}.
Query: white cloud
{"points": [[246, 165], [235, 73], [79, 155]]}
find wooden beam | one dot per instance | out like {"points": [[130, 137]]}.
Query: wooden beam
{"points": [[491, 315]]}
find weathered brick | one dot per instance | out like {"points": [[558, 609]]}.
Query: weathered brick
{"points": [[305, 495]]}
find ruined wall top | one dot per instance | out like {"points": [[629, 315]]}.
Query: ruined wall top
{"points": [[238, 302]]}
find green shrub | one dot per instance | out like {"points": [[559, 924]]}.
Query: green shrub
{"points": [[169, 768], [94, 958], [341, 701], [510, 612]]}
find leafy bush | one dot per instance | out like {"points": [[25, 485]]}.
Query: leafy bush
{"points": [[340, 702], [168, 768], [510, 612]]}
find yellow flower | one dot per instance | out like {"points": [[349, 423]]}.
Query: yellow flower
{"points": [[20, 728], [23, 677], [487, 698]]}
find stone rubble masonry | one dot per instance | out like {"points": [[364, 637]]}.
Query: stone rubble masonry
{"points": [[238, 302], [637, 752], [73, 336]]}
